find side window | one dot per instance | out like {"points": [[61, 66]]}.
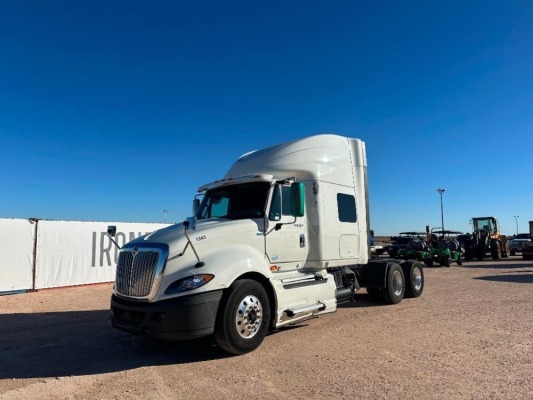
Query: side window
{"points": [[346, 208], [281, 203], [286, 206], [275, 206]]}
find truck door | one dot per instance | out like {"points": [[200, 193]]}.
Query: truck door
{"points": [[286, 238], [342, 240]]}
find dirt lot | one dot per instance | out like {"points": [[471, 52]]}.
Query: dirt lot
{"points": [[470, 335]]}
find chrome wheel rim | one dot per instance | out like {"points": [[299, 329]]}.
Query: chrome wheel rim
{"points": [[397, 283], [417, 278], [248, 317]]}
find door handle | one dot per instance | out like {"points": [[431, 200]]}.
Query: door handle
{"points": [[302, 240]]}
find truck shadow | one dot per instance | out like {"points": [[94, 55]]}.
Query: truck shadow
{"points": [[361, 300], [514, 277], [83, 343], [498, 264]]}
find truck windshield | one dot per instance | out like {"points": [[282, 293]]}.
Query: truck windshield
{"points": [[241, 201]]}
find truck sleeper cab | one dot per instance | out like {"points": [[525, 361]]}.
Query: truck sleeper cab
{"points": [[283, 237]]}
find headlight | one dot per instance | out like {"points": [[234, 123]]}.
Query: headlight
{"points": [[189, 283]]}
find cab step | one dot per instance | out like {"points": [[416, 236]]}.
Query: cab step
{"points": [[310, 308], [302, 281]]}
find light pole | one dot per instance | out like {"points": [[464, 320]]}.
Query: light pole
{"points": [[165, 212], [441, 192], [516, 221]]}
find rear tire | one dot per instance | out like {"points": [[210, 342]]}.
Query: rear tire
{"points": [[243, 317], [414, 285], [395, 290]]}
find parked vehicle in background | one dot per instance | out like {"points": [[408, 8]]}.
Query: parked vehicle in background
{"points": [[445, 248], [417, 249], [519, 242], [281, 238], [404, 241], [463, 239], [375, 249], [527, 252], [486, 239]]}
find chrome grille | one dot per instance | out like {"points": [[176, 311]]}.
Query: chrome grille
{"points": [[136, 273]]}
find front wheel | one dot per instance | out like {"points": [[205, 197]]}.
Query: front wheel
{"points": [[495, 250], [243, 317]]}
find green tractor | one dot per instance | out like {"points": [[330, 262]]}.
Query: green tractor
{"points": [[403, 242], [445, 248], [415, 249]]}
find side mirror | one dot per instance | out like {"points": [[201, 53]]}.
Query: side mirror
{"points": [[298, 199], [111, 230], [195, 206]]}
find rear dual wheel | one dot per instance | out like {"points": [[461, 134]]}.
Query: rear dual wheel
{"points": [[414, 273], [394, 289], [402, 281]]}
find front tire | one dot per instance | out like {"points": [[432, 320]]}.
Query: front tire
{"points": [[495, 250], [243, 317]]}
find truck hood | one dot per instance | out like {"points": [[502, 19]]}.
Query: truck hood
{"points": [[203, 232]]}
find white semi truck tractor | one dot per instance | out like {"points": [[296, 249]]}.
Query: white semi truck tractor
{"points": [[283, 237]]}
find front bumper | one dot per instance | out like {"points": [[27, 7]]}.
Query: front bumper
{"points": [[181, 318]]}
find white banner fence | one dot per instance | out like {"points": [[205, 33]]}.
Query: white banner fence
{"points": [[39, 254]]}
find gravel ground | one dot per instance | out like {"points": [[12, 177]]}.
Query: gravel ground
{"points": [[470, 335]]}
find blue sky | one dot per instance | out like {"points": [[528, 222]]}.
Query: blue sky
{"points": [[115, 111]]}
